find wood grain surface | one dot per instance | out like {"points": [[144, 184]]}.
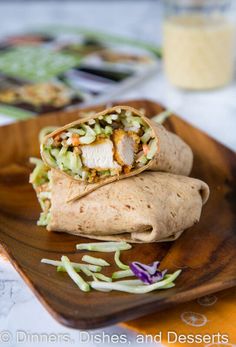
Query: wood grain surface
{"points": [[206, 252]]}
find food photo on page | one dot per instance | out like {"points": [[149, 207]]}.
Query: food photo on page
{"points": [[117, 173]]}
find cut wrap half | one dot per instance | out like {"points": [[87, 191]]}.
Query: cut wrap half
{"points": [[150, 207], [111, 145]]}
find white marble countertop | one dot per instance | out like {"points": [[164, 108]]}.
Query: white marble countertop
{"points": [[214, 112]]}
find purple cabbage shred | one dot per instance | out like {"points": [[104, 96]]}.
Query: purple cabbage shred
{"points": [[148, 274]]}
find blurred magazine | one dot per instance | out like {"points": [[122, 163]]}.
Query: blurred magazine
{"points": [[60, 67]]}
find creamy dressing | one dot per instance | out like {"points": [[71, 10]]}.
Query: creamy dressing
{"points": [[199, 51]]}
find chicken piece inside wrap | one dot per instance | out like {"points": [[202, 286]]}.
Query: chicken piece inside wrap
{"points": [[116, 143], [150, 207]]}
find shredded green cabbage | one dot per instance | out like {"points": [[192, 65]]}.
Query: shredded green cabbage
{"points": [[103, 246], [84, 286], [132, 121], [108, 119], [46, 131], [77, 266], [35, 161], [95, 261], [85, 270], [153, 149], [84, 174], [146, 136], [44, 218], [49, 158], [131, 282], [119, 262], [96, 276], [142, 160], [122, 274], [62, 160], [139, 289], [97, 129], [104, 173], [161, 117], [91, 121], [45, 195], [39, 175], [108, 130], [75, 163], [89, 137], [55, 152], [78, 131], [102, 277]]}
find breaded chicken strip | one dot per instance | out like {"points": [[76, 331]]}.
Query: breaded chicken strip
{"points": [[99, 155], [125, 146]]}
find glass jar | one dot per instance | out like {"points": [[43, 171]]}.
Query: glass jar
{"points": [[199, 43]]}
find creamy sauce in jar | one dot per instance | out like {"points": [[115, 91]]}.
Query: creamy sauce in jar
{"points": [[199, 51]]}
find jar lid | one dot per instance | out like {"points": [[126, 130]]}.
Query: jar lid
{"points": [[202, 3]]}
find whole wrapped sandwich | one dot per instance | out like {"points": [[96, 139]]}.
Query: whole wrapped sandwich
{"points": [[114, 144], [149, 207]]}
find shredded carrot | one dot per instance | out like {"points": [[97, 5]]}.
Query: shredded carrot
{"points": [[57, 136], [75, 140], [127, 168], [145, 149], [57, 140]]}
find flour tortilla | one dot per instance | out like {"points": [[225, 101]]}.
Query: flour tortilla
{"points": [[173, 154], [149, 207]]}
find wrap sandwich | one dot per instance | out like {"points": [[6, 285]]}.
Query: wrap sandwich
{"points": [[149, 207], [111, 145]]}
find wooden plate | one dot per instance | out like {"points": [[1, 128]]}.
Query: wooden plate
{"points": [[206, 252]]}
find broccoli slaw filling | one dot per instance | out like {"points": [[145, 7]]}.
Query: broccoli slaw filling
{"points": [[40, 179], [112, 144]]}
